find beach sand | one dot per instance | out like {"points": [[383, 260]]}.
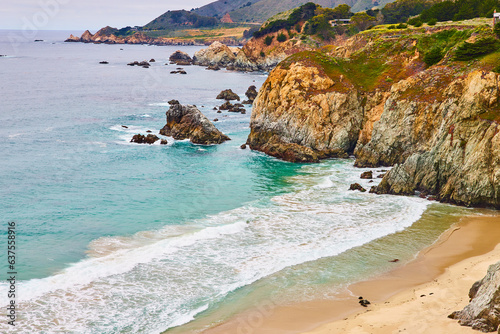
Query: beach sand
{"points": [[413, 298]]}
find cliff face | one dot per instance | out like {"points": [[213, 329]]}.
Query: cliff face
{"points": [[296, 105], [374, 97], [451, 144]]}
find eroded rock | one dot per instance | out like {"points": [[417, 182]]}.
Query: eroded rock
{"points": [[187, 122]]}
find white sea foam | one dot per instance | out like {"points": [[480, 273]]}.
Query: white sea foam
{"points": [[167, 277]]}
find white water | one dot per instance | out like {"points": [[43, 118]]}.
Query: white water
{"points": [[154, 280]]}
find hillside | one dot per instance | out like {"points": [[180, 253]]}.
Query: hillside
{"points": [[180, 19], [260, 11], [221, 7]]}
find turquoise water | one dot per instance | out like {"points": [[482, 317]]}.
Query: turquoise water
{"points": [[115, 237]]}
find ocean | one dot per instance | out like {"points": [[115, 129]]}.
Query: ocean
{"points": [[117, 237]]}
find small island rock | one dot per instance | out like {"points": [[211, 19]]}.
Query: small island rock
{"points": [[186, 121]]}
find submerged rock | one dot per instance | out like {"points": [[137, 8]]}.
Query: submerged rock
{"points": [[187, 122]]}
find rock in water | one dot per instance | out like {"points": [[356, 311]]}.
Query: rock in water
{"points": [[226, 106], [228, 95], [216, 54], [367, 175], [180, 58], [186, 121], [251, 93], [483, 313], [357, 186], [141, 139]]}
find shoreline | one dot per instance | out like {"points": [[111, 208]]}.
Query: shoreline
{"points": [[456, 260]]}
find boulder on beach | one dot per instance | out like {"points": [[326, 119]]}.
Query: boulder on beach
{"points": [[228, 95], [187, 122], [482, 311]]}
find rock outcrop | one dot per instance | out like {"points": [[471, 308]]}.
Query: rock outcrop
{"points": [[448, 147], [216, 54], [228, 95], [483, 311], [438, 126], [141, 139], [251, 93], [296, 105], [180, 58], [187, 122]]}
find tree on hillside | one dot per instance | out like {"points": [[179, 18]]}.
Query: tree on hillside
{"points": [[362, 21]]}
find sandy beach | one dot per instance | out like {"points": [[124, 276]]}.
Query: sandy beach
{"points": [[414, 298]]}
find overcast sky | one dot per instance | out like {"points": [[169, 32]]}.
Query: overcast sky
{"points": [[86, 14]]}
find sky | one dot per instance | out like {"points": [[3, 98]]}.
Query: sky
{"points": [[85, 14]]}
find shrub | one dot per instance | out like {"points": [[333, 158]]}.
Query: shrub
{"points": [[496, 29], [391, 27], [262, 54], [484, 46], [268, 40], [432, 22], [281, 38], [497, 69], [434, 56], [415, 21], [401, 26]]}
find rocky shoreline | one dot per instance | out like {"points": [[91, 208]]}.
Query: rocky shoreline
{"points": [[105, 36], [437, 125]]}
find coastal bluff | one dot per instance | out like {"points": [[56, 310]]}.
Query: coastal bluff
{"points": [[375, 96]]}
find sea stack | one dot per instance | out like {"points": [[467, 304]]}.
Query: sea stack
{"points": [[187, 122]]}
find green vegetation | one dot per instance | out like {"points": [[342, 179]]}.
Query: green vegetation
{"points": [[433, 57], [496, 29], [415, 21], [363, 21], [483, 46], [311, 19], [268, 40], [401, 10], [460, 10], [179, 19], [281, 37], [432, 22], [497, 69], [303, 13], [262, 54]]}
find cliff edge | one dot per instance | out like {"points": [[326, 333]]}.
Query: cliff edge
{"points": [[424, 100]]}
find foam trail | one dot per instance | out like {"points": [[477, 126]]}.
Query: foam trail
{"points": [[165, 278]]}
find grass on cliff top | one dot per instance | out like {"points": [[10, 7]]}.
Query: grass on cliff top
{"points": [[363, 73]]}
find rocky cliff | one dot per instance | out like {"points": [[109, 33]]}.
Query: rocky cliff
{"points": [[374, 96]]}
